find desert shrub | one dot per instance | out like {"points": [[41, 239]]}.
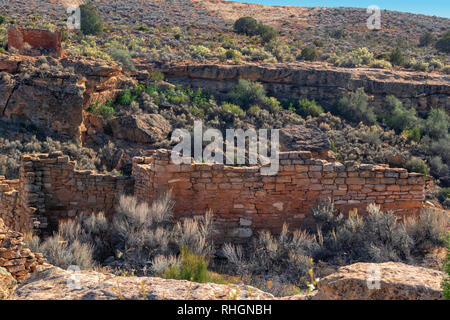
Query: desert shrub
{"points": [[308, 53], [413, 133], [272, 104], [337, 33], [256, 54], [191, 267], [438, 168], [420, 66], [416, 165], [381, 64], [357, 58], [267, 33], [232, 108], [247, 26], [397, 117], [280, 50], [247, 93], [426, 39], [62, 253], [376, 237], [91, 23], [355, 107], [437, 124], [122, 56], [443, 194], [307, 107], [234, 55], [126, 97], [105, 110], [436, 64], [428, 230], [446, 280], [2, 20], [199, 52], [285, 257], [443, 44], [446, 69], [396, 57]]}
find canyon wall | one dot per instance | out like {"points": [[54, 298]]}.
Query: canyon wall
{"points": [[243, 201], [422, 91]]}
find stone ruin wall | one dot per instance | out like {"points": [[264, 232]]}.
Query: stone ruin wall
{"points": [[50, 190], [37, 39], [243, 201]]}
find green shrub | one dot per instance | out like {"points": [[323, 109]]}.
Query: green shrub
{"points": [[413, 133], [437, 124], [232, 108], [309, 54], [443, 194], [2, 20], [446, 281], [105, 110], [199, 52], [381, 64], [436, 64], [246, 25], [438, 168], [192, 268], [355, 107], [397, 58], [443, 44], [91, 23], [272, 104], [416, 165], [309, 108], [125, 98], [123, 57], [233, 54], [247, 93], [357, 58], [397, 117], [426, 39], [338, 34], [267, 33]]}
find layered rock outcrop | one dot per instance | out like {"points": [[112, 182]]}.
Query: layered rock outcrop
{"points": [[383, 281], [90, 285], [421, 91], [54, 94]]}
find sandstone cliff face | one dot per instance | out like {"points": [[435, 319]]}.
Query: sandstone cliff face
{"points": [[55, 94], [99, 286], [323, 84], [383, 281]]}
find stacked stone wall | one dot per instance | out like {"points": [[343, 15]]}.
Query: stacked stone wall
{"points": [[243, 201]]}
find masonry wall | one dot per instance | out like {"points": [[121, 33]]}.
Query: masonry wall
{"points": [[50, 189], [243, 201], [37, 39], [15, 214]]}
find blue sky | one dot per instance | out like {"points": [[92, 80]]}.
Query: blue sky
{"points": [[432, 7]]}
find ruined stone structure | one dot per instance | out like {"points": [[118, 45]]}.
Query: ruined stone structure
{"points": [[50, 189], [38, 41], [243, 201], [18, 261], [421, 91]]}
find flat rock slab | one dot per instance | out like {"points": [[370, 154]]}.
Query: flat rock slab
{"points": [[53, 283], [383, 281]]}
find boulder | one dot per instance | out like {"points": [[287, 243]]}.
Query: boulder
{"points": [[141, 128], [303, 138], [7, 284], [383, 281], [53, 283]]}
